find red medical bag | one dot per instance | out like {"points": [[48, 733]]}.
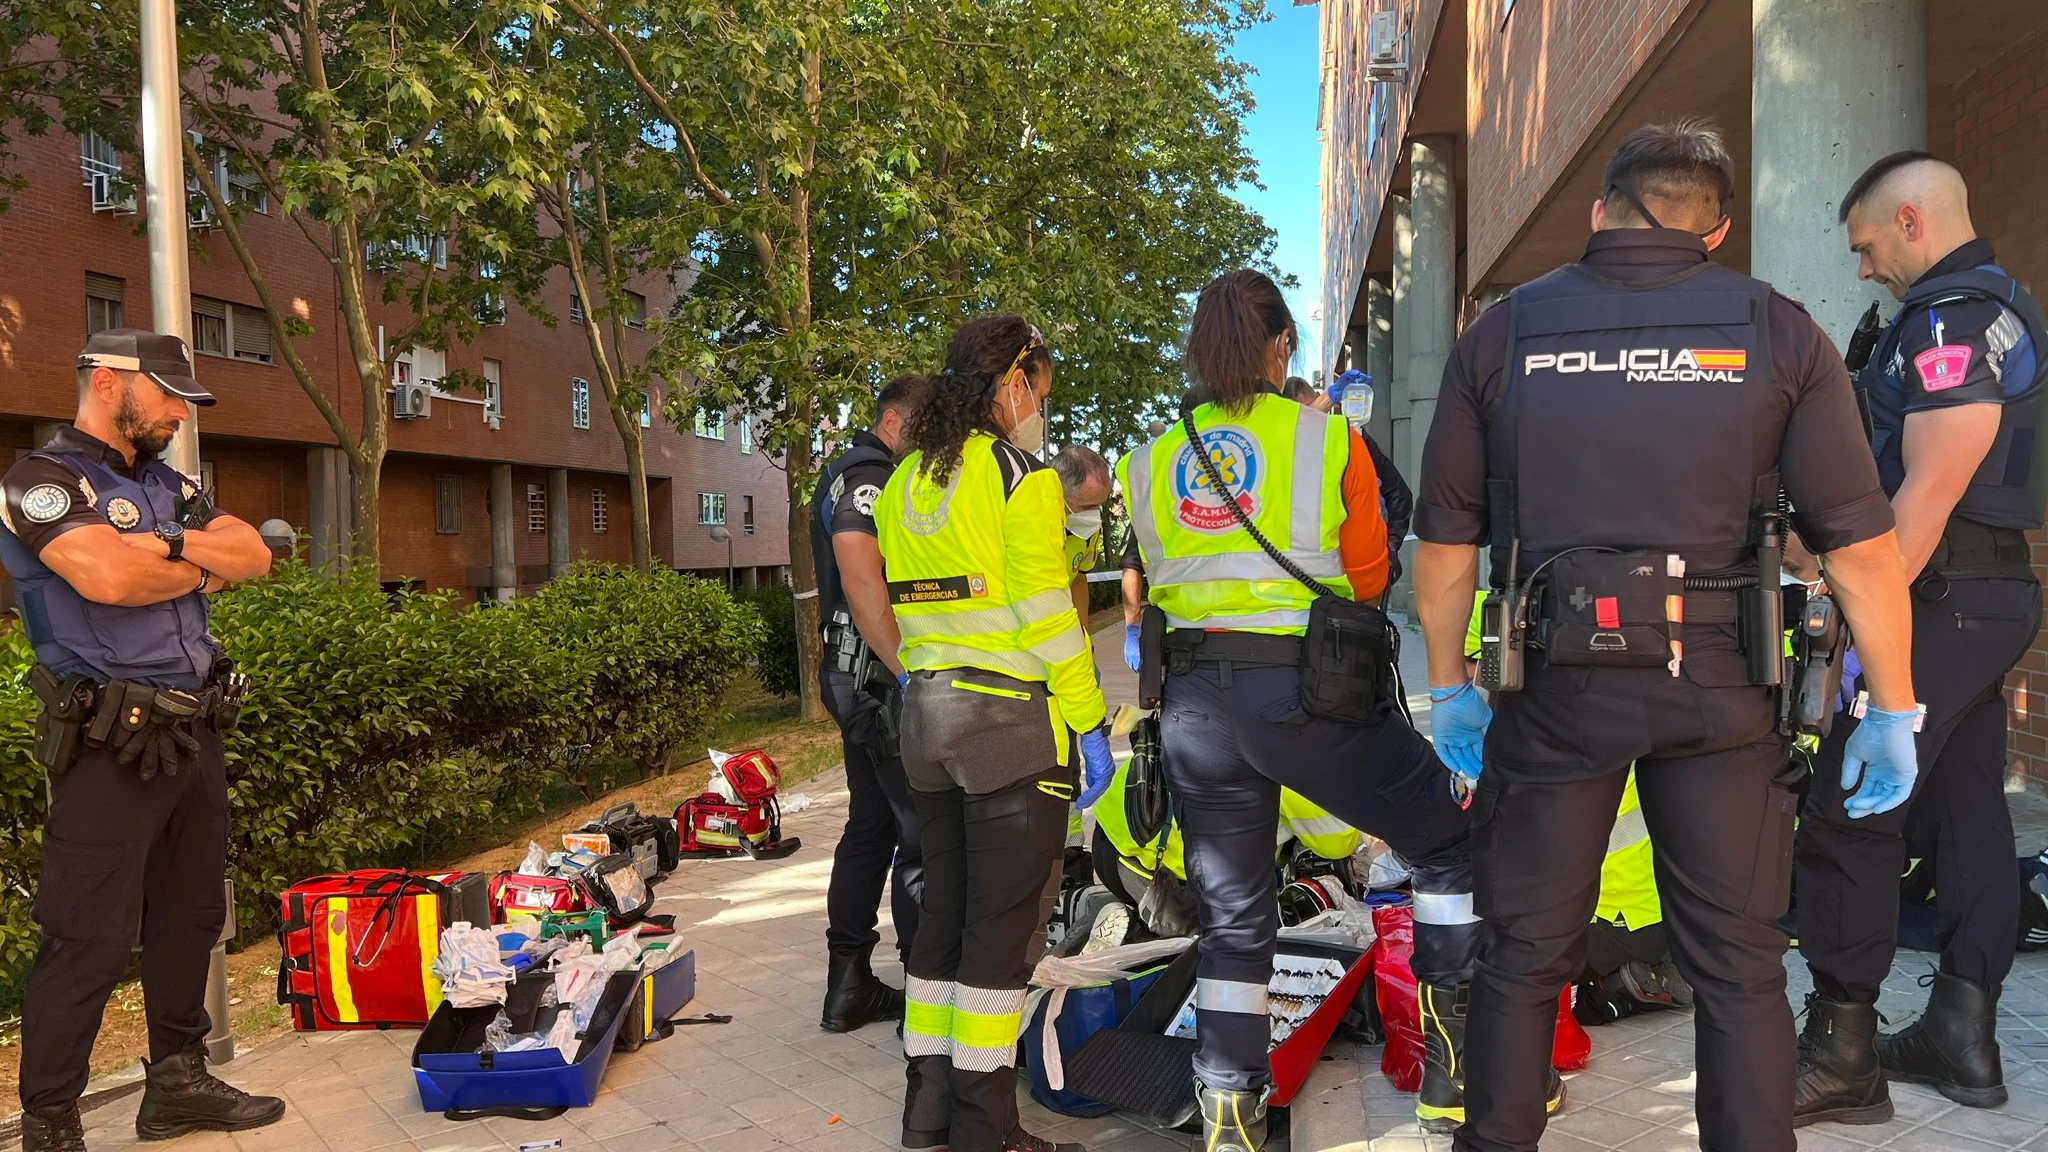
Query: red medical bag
{"points": [[516, 896], [359, 949]]}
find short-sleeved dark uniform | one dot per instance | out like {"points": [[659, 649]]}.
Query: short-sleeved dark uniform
{"points": [[117, 850], [881, 821], [1596, 465], [1976, 610]]}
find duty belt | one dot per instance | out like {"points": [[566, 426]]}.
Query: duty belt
{"points": [[1972, 551], [1187, 647], [1700, 607]]}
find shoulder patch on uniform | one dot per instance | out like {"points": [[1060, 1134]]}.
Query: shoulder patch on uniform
{"points": [[1789, 300], [1944, 367], [45, 503], [1015, 464], [865, 497]]}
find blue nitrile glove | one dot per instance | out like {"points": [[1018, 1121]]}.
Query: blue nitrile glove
{"points": [[903, 680], [1852, 670], [1131, 657], [1882, 756], [1457, 721], [1097, 766]]}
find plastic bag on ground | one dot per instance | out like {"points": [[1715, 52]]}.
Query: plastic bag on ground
{"points": [[536, 861]]}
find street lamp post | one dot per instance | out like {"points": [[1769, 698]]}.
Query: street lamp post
{"points": [[163, 184], [718, 534]]}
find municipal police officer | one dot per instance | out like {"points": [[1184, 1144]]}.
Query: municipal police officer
{"points": [[1620, 429], [860, 632], [113, 554], [1957, 424], [1264, 547], [1001, 679]]}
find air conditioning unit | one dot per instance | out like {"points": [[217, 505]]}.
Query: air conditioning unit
{"points": [[104, 196], [1386, 49], [411, 401]]}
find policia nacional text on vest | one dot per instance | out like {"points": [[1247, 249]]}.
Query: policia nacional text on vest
{"points": [[1563, 584]]}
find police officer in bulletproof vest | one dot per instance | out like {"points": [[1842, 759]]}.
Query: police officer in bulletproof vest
{"points": [[860, 680], [1620, 431], [113, 554], [1954, 393]]}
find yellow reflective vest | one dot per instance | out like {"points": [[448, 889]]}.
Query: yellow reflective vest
{"points": [[1082, 553], [1628, 879], [1318, 831], [978, 577], [1284, 462]]}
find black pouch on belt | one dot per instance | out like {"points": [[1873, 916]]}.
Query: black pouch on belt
{"points": [[1345, 659], [1611, 609]]}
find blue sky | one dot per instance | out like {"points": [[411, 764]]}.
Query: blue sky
{"points": [[1281, 134]]}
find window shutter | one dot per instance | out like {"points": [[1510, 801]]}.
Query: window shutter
{"points": [[202, 306], [105, 287], [252, 333]]}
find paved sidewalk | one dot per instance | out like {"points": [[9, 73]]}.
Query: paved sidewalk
{"points": [[772, 1080]]}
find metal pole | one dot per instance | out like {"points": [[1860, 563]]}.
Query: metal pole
{"points": [[163, 182]]}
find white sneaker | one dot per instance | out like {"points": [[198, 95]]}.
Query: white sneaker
{"points": [[1112, 924]]}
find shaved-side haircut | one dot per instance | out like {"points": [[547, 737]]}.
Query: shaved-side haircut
{"points": [[1882, 173]]}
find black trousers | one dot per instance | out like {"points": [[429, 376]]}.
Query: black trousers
{"points": [[987, 855], [1714, 781], [881, 829], [119, 851], [1233, 737], [1967, 635]]}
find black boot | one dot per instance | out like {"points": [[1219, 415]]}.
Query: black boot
{"points": [[1440, 1106], [1953, 1046], [855, 997], [182, 1096], [55, 1129], [1839, 1077]]}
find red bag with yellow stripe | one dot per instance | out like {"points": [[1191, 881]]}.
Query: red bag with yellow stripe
{"points": [[359, 948]]}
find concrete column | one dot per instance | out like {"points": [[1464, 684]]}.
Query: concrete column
{"points": [[1398, 392], [1835, 85], [504, 523], [1376, 358], [42, 430], [1432, 310], [329, 509], [558, 522]]}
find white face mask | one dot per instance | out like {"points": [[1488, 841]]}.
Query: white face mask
{"points": [[1028, 432], [1083, 525]]}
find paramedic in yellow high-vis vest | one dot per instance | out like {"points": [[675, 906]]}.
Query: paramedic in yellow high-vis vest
{"points": [[1233, 727], [1000, 701]]}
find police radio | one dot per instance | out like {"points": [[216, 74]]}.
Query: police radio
{"points": [[1500, 631]]}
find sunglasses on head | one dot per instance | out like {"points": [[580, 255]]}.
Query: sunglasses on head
{"points": [[1032, 343]]}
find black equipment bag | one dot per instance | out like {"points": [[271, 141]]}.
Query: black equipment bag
{"points": [[651, 840]]}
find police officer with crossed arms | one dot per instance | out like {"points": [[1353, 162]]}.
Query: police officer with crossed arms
{"points": [[1619, 431], [113, 554]]}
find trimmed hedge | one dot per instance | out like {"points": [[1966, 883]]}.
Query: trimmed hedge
{"points": [[780, 667], [381, 728]]}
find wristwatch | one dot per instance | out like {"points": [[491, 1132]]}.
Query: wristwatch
{"points": [[172, 534]]}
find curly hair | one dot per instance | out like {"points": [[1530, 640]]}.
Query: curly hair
{"points": [[962, 397], [1236, 314]]}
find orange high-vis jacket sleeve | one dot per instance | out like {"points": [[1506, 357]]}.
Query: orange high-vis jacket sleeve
{"points": [[1362, 540]]}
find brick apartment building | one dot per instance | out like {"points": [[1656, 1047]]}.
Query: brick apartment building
{"points": [[75, 262], [1463, 147]]}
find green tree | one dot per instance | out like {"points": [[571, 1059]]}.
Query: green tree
{"points": [[869, 174], [342, 116]]}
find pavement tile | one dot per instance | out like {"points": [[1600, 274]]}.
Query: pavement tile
{"points": [[1663, 1140], [1651, 1105], [1919, 1105], [1822, 1138], [1935, 1140], [1990, 1125], [1592, 1087], [1602, 1126]]}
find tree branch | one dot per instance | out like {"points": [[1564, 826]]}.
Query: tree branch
{"points": [[280, 337], [270, 185]]}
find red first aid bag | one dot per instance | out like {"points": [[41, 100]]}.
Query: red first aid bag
{"points": [[746, 777], [1394, 986], [516, 897], [359, 948]]}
